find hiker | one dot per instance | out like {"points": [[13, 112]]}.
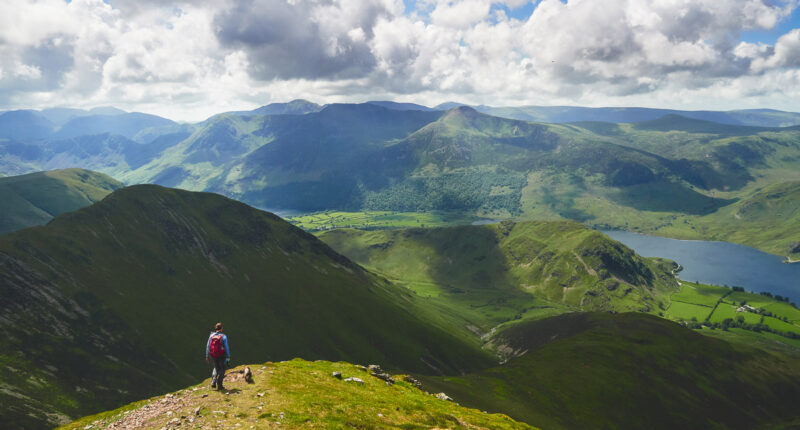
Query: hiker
{"points": [[217, 348]]}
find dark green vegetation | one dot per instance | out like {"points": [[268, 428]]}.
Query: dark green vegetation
{"points": [[589, 370], [35, 198], [109, 304], [302, 394], [497, 273]]}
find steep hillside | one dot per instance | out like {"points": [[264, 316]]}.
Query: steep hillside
{"points": [[630, 371], [300, 394], [506, 271], [769, 219], [113, 303], [35, 198]]}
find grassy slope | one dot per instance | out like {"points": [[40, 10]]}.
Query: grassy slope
{"points": [[631, 371], [35, 198], [494, 273], [151, 269], [302, 394]]}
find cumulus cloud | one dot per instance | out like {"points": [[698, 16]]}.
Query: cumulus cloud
{"points": [[191, 58], [303, 38]]}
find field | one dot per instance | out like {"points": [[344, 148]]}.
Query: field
{"points": [[367, 220], [713, 305]]}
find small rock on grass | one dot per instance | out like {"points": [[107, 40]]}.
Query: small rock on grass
{"points": [[337, 375], [443, 396], [354, 379]]}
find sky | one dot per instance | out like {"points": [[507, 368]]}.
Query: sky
{"points": [[188, 60]]}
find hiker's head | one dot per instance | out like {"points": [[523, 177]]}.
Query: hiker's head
{"points": [[218, 327]]}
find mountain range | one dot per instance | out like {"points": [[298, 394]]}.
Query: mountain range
{"points": [[678, 174]]}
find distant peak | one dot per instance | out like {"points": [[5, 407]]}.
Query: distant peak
{"points": [[106, 110], [461, 112]]}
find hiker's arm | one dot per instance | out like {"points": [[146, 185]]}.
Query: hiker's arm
{"points": [[227, 348], [208, 343]]}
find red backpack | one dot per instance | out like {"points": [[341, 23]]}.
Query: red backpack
{"points": [[215, 347]]}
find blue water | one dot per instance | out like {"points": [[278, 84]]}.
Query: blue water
{"points": [[720, 263]]}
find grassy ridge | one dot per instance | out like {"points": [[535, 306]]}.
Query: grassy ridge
{"points": [[35, 198], [631, 371], [148, 270], [300, 393], [506, 271]]}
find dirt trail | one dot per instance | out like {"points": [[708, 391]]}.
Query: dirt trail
{"points": [[179, 407]]}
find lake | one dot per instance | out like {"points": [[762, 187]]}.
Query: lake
{"points": [[720, 263]]}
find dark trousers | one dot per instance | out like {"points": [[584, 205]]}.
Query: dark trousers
{"points": [[218, 374]]}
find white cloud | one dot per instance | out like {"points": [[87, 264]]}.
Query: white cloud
{"points": [[190, 59], [460, 13]]}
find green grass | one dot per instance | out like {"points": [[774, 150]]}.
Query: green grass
{"points": [[726, 310], [688, 311], [784, 309], [699, 294], [304, 394], [631, 371], [368, 220], [781, 325]]}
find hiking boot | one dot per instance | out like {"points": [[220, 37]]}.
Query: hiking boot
{"points": [[213, 385], [221, 388]]}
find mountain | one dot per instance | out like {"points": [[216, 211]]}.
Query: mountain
{"points": [[125, 124], [769, 218], [24, 125], [653, 176], [399, 106], [35, 198], [569, 114], [324, 401], [630, 371], [60, 115], [111, 303], [294, 107], [105, 110], [660, 175], [509, 271]]}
